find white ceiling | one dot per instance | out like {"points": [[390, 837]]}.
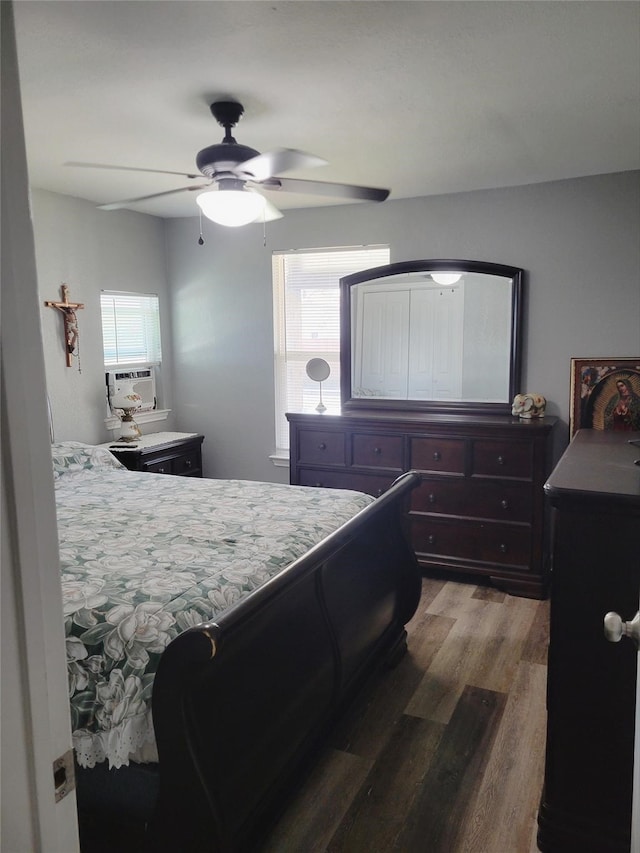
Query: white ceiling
{"points": [[420, 97]]}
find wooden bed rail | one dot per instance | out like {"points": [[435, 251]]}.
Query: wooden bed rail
{"points": [[241, 704]]}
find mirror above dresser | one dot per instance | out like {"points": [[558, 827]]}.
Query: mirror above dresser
{"points": [[432, 335]]}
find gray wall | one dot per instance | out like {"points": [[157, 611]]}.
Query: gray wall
{"points": [[92, 250], [577, 240]]}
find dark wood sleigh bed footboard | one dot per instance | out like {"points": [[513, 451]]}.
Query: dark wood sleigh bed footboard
{"points": [[241, 704]]}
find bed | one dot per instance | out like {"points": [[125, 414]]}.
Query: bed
{"points": [[215, 630]]}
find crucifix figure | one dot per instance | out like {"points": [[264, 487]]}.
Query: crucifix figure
{"points": [[70, 318]]}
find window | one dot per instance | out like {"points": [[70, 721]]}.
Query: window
{"points": [[130, 328], [307, 325]]}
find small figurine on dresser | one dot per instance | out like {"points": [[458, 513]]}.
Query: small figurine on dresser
{"points": [[528, 406]]}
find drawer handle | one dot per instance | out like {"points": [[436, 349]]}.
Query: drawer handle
{"points": [[322, 446], [431, 539], [437, 456], [377, 451], [504, 504], [432, 499], [502, 548], [501, 460]]}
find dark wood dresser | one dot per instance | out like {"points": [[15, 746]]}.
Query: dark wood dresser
{"points": [[480, 508], [162, 453], [591, 694]]}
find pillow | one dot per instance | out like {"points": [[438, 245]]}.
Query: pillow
{"points": [[72, 456]]}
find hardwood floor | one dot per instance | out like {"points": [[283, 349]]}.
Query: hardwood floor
{"points": [[444, 753]]}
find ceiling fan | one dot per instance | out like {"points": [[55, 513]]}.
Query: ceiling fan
{"points": [[235, 172]]}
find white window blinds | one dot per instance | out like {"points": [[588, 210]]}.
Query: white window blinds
{"points": [[307, 325], [130, 328]]}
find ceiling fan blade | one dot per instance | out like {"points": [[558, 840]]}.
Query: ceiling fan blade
{"points": [[116, 205], [294, 185], [279, 160], [131, 169]]}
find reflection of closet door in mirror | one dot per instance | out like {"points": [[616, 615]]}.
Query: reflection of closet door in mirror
{"points": [[383, 343], [435, 343]]}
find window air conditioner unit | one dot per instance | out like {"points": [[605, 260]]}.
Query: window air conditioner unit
{"points": [[144, 383]]}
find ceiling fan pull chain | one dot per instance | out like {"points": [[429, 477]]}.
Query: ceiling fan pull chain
{"points": [[200, 238]]}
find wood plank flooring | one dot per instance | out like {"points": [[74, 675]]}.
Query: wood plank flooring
{"points": [[444, 753]]}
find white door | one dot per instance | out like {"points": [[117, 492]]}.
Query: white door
{"points": [[35, 706]]}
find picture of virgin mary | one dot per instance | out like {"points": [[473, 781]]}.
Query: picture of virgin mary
{"points": [[615, 402], [622, 412]]}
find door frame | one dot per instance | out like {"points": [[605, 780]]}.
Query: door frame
{"points": [[36, 727]]}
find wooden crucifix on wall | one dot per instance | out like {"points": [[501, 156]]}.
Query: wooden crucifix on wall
{"points": [[71, 333]]}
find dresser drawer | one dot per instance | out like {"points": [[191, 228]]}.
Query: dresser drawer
{"points": [[502, 501], [321, 446], [162, 466], [187, 465], [475, 541], [377, 451], [444, 455], [502, 459], [371, 484]]}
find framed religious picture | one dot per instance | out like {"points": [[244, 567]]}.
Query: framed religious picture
{"points": [[605, 394]]}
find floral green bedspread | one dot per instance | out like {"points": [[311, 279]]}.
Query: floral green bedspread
{"points": [[145, 556]]}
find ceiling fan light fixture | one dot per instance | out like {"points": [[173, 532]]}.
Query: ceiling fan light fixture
{"points": [[231, 207]]}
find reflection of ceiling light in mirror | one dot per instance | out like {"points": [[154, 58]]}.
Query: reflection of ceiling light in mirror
{"points": [[446, 277], [231, 207]]}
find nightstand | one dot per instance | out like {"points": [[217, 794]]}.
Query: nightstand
{"points": [[178, 453]]}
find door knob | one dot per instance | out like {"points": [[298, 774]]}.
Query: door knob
{"points": [[615, 629]]}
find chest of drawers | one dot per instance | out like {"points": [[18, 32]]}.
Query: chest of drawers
{"points": [[163, 453], [594, 492], [480, 507]]}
